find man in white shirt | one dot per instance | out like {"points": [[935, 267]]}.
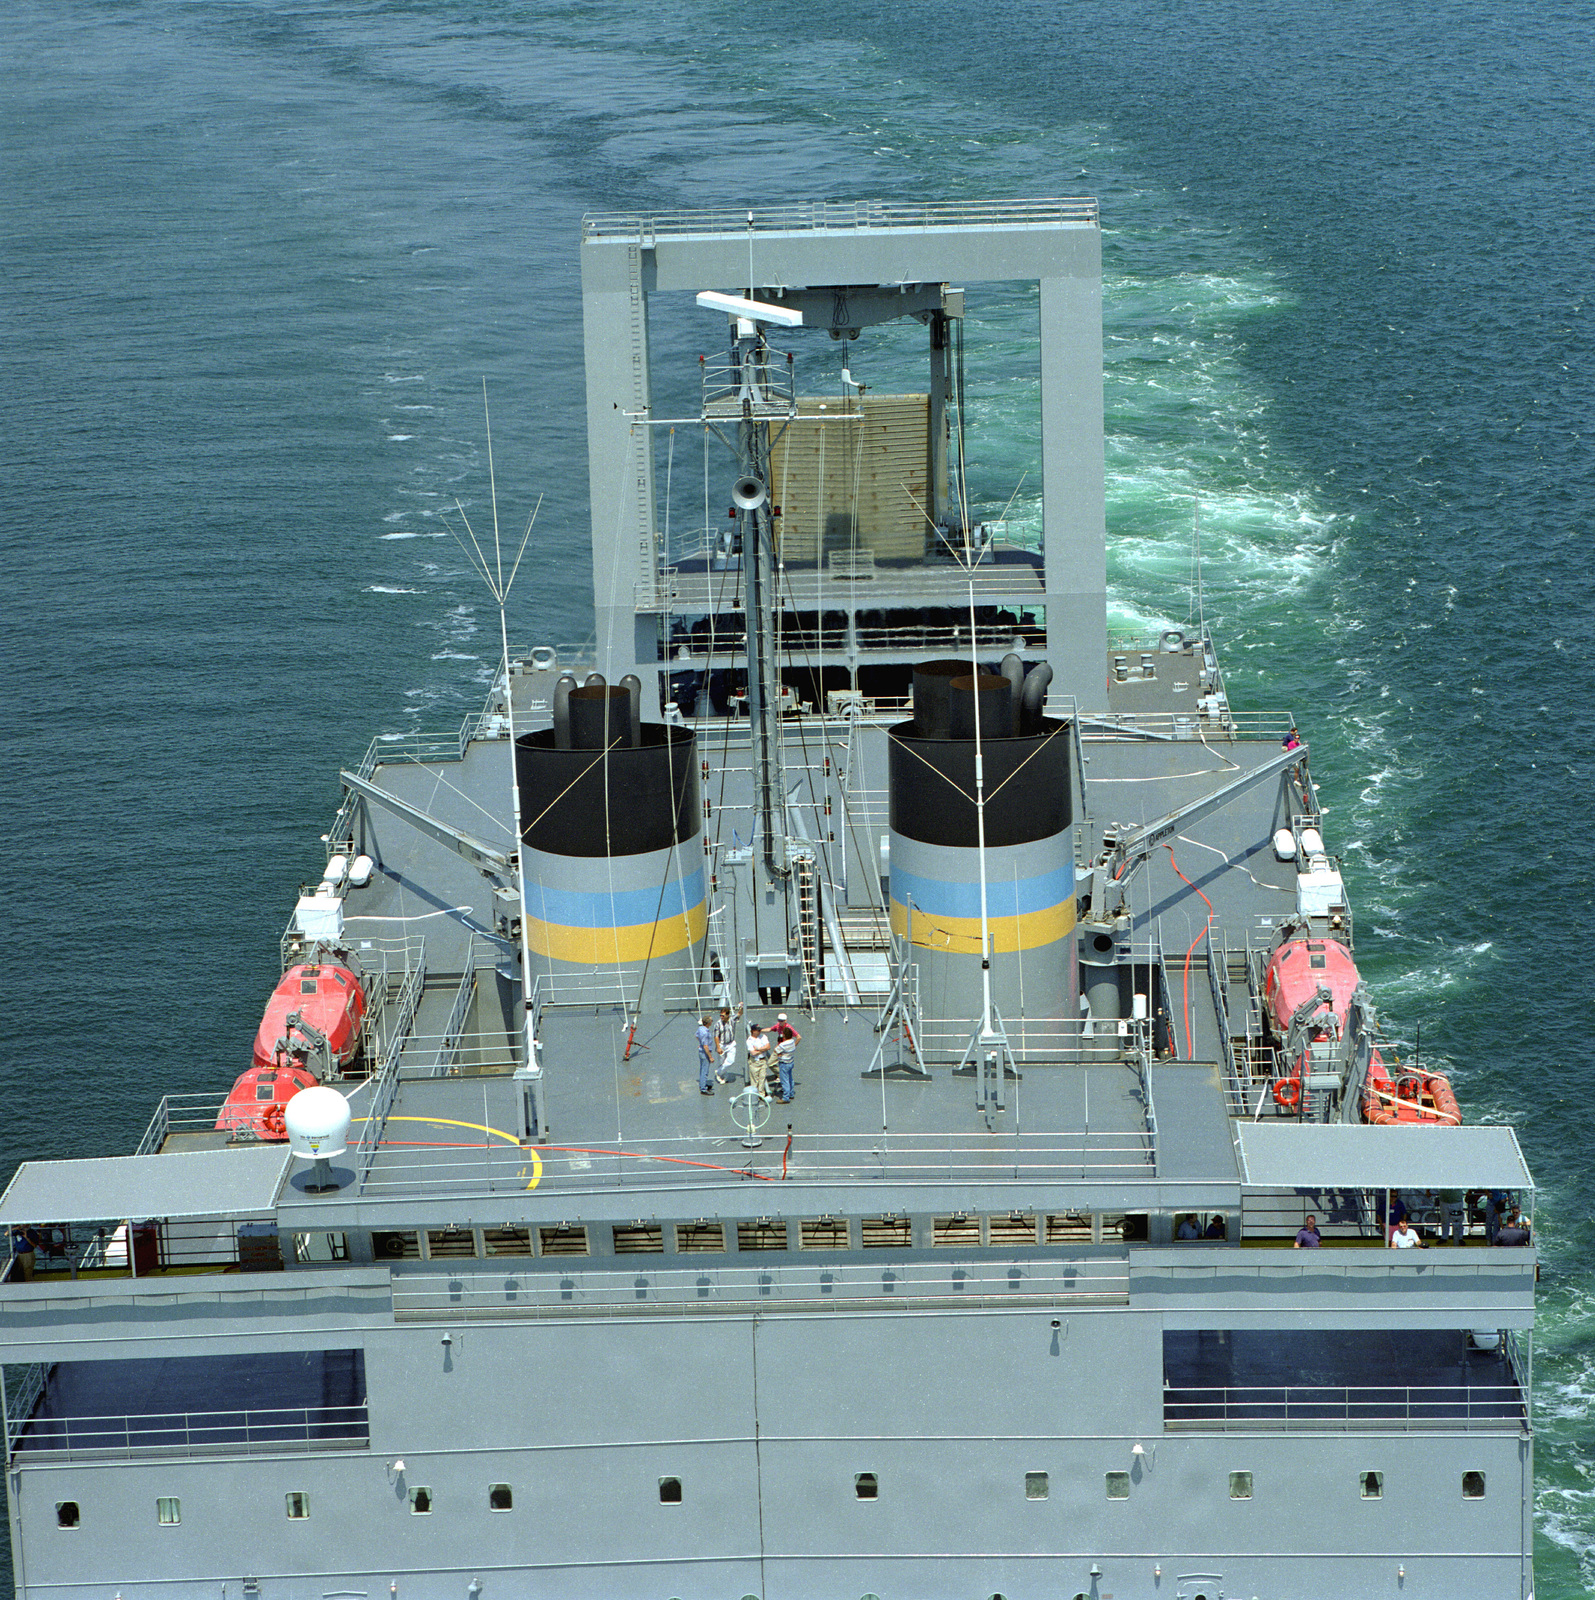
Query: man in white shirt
{"points": [[1404, 1236]]}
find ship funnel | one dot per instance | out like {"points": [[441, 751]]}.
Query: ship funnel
{"points": [[748, 494], [1024, 917]]}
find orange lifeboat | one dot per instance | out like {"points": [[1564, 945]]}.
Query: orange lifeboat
{"points": [[313, 1001], [256, 1106], [1408, 1097]]}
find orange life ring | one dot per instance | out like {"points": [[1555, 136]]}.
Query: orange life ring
{"points": [[1287, 1092], [273, 1121]]}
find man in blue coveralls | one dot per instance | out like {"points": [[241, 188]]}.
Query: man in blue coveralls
{"points": [[705, 1055]]}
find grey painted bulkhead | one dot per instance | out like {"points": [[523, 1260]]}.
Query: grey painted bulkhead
{"points": [[948, 1409]]}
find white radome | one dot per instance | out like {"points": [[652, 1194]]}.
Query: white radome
{"points": [[318, 1123]]}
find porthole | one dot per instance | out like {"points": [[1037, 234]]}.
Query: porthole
{"points": [[1373, 1485], [500, 1497], [866, 1486], [670, 1491], [297, 1504], [1118, 1485], [168, 1510], [420, 1501], [67, 1514], [1472, 1485], [1035, 1486], [1240, 1486]]}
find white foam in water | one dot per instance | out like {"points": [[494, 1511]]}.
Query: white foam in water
{"points": [[389, 588]]}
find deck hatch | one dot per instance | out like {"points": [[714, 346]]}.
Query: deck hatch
{"points": [[507, 1241], [639, 1238], [761, 1235], [825, 1233]]}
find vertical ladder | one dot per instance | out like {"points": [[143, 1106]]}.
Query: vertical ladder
{"points": [[808, 925]]}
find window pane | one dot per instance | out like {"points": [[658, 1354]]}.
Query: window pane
{"points": [[168, 1511], [67, 1514], [1035, 1486], [1118, 1486], [1472, 1485], [420, 1501], [1373, 1485], [298, 1504], [670, 1491], [1240, 1486], [866, 1485], [500, 1497]]}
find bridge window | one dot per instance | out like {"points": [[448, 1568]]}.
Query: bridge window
{"points": [[1373, 1485], [1035, 1486], [1472, 1485], [297, 1504], [168, 1510], [670, 1491], [694, 1238], [1240, 1486], [420, 1501], [1118, 1485], [866, 1486], [500, 1497], [67, 1514], [563, 1241]]}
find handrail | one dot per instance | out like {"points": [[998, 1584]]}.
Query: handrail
{"points": [[1334, 1406], [919, 1161], [826, 216], [191, 1432]]}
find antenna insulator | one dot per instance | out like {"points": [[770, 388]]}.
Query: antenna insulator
{"points": [[749, 494]]}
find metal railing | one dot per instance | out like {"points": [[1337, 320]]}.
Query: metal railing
{"points": [[180, 1113], [70, 1251], [1194, 724], [1059, 1158], [919, 583], [189, 1433], [1040, 1040], [833, 216], [22, 1395], [1407, 1407], [385, 1083], [610, 986], [633, 1286]]}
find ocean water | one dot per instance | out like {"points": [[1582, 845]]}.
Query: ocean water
{"points": [[258, 260]]}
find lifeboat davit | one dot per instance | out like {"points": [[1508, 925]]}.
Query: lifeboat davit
{"points": [[314, 1001], [1309, 982], [259, 1100]]}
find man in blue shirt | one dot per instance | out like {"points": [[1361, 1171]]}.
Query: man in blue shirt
{"points": [[706, 1061], [1308, 1237]]}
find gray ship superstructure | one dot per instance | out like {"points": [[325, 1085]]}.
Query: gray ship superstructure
{"points": [[1005, 1299]]}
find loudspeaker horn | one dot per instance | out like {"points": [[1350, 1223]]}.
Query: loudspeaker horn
{"points": [[749, 494]]}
